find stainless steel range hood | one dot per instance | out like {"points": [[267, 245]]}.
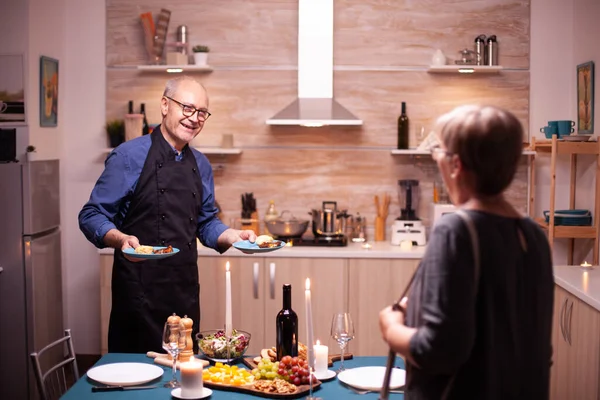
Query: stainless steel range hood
{"points": [[315, 105]]}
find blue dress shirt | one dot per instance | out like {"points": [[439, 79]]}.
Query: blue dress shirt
{"points": [[111, 197]]}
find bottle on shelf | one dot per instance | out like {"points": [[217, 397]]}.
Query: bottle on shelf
{"points": [[403, 129], [145, 126], [287, 327], [130, 107]]}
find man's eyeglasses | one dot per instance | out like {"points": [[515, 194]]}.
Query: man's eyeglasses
{"points": [[189, 111]]}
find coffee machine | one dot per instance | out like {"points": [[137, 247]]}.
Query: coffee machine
{"points": [[408, 227]]}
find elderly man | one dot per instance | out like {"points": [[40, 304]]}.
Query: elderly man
{"points": [[157, 190]]}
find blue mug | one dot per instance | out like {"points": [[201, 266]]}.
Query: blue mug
{"points": [[565, 127], [549, 131]]}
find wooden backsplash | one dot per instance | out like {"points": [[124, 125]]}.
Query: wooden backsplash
{"points": [[381, 52]]}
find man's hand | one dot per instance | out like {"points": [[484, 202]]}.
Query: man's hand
{"points": [[118, 240], [230, 236]]}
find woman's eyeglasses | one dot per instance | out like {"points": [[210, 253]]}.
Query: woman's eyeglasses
{"points": [[189, 111]]}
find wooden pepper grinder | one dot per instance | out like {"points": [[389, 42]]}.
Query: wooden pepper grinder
{"points": [[186, 351], [173, 320]]}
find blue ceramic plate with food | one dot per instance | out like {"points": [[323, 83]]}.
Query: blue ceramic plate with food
{"points": [[245, 246], [151, 252]]}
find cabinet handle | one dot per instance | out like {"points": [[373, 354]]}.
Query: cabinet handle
{"points": [[272, 280], [568, 328], [255, 280], [562, 319]]}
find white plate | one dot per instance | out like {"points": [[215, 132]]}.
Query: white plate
{"points": [[177, 394], [325, 376], [371, 378], [576, 138], [125, 374], [247, 247]]}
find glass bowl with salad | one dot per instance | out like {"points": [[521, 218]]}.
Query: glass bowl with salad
{"points": [[213, 345]]}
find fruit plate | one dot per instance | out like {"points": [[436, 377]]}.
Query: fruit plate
{"points": [[301, 391]]}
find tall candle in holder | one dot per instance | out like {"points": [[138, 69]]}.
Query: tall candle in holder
{"points": [[228, 323], [191, 378], [309, 327]]}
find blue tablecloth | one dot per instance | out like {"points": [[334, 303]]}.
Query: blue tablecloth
{"points": [[331, 390]]}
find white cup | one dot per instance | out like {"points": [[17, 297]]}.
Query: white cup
{"points": [[227, 141], [3, 106]]}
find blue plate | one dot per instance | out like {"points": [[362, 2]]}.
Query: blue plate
{"points": [[131, 252], [247, 247]]}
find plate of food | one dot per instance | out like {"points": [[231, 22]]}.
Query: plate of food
{"points": [[263, 244], [151, 252]]}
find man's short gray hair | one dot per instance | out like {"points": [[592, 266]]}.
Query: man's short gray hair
{"points": [[173, 84]]}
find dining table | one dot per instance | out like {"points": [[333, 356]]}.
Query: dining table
{"points": [[329, 390]]}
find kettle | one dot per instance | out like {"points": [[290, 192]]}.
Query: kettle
{"points": [[326, 222]]}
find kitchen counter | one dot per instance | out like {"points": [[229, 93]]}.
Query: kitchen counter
{"points": [[353, 250], [584, 283]]}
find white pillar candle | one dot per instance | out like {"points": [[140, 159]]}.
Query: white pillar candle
{"points": [[321, 358], [191, 378], [309, 327], [228, 323]]}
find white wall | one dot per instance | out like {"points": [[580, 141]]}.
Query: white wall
{"points": [[83, 145]]}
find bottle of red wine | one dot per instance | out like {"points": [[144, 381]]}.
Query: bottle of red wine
{"points": [[287, 327], [403, 129], [145, 126]]}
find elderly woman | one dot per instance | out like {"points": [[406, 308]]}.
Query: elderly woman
{"points": [[478, 330]]}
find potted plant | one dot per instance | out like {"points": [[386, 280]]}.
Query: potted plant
{"points": [[200, 54], [116, 132]]}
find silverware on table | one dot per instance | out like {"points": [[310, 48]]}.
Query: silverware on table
{"points": [[120, 388], [359, 391]]}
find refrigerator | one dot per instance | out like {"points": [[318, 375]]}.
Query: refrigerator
{"points": [[31, 306]]}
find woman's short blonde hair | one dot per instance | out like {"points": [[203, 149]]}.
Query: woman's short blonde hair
{"points": [[488, 141]]}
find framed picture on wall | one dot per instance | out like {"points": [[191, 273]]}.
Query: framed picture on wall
{"points": [[585, 98], [48, 91]]}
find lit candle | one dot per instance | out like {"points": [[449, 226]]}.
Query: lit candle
{"points": [[228, 323], [309, 327], [586, 264], [191, 378], [321, 358]]}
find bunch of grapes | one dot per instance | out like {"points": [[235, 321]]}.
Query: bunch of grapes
{"points": [[294, 370], [266, 369]]}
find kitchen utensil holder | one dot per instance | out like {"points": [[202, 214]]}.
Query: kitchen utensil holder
{"points": [[379, 229]]}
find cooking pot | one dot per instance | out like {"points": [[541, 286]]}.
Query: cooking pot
{"points": [[326, 222], [287, 227]]}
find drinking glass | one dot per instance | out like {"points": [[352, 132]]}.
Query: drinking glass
{"points": [[342, 331], [172, 339]]}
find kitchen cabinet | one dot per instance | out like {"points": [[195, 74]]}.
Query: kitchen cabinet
{"points": [[576, 348], [257, 294], [373, 285]]}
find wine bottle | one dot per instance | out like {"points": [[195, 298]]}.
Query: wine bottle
{"points": [[145, 126], [287, 327], [403, 128]]}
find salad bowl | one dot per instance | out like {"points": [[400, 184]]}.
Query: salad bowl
{"points": [[213, 345]]}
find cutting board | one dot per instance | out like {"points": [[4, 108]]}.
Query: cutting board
{"points": [[165, 361], [301, 390], [249, 361]]}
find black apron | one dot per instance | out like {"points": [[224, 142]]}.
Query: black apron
{"points": [[163, 211]]}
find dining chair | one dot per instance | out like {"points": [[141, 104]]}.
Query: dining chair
{"points": [[53, 380]]}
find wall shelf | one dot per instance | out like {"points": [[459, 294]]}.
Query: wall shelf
{"points": [[415, 152], [204, 150], [163, 68], [465, 69]]}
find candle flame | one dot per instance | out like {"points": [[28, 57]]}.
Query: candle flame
{"points": [[586, 264], [227, 266], [307, 286], [318, 342]]}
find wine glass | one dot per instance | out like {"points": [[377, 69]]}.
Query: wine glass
{"points": [[171, 341], [342, 331]]}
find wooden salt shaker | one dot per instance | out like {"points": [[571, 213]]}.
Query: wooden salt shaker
{"points": [[186, 351]]}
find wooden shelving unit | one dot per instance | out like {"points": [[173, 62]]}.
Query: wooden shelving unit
{"points": [[557, 147]]}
